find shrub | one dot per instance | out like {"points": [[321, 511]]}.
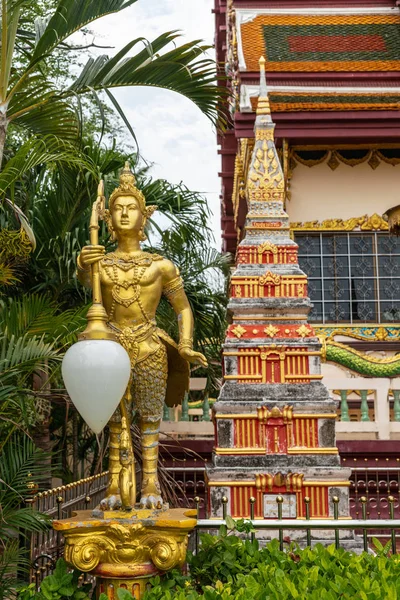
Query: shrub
{"points": [[228, 567]]}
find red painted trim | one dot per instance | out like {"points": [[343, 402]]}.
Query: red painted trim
{"points": [[327, 126], [366, 447]]}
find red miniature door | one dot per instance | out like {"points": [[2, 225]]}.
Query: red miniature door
{"points": [[276, 436]]}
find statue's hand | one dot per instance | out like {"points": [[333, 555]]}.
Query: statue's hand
{"points": [[90, 255], [193, 357]]}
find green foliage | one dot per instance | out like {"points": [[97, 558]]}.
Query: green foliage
{"points": [[44, 112], [227, 567], [20, 464], [60, 585], [39, 151]]}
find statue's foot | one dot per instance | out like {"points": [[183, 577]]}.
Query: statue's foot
{"points": [[151, 501], [150, 496], [112, 502]]}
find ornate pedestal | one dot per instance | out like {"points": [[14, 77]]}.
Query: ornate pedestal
{"points": [[126, 549]]}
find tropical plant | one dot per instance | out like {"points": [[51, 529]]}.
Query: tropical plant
{"points": [[228, 567], [31, 101], [21, 464], [48, 303], [61, 584]]}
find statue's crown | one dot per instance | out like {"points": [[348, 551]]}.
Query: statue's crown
{"points": [[127, 187]]}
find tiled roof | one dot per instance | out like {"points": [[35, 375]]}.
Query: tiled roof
{"points": [[322, 42], [286, 102]]}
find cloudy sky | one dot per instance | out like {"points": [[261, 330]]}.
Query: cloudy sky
{"points": [[172, 132]]}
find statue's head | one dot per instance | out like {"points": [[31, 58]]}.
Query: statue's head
{"points": [[127, 207]]}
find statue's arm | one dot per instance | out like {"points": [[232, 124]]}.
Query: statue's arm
{"points": [[174, 291], [83, 274]]}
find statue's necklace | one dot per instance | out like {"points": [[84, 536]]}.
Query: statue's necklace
{"points": [[134, 283], [125, 262]]}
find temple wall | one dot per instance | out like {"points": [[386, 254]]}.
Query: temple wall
{"points": [[318, 193]]}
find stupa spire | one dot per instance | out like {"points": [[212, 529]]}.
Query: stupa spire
{"points": [[263, 106], [265, 180]]}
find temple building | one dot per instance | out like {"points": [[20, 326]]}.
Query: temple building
{"points": [[274, 419], [333, 79]]}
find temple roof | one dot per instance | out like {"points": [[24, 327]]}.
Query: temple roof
{"points": [[312, 101], [318, 42], [333, 78]]}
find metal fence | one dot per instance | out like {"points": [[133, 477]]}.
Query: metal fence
{"points": [[59, 503], [367, 527]]}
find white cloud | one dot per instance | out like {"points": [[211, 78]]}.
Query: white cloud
{"points": [[172, 132]]}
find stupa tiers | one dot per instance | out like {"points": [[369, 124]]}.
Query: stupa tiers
{"points": [[274, 419]]}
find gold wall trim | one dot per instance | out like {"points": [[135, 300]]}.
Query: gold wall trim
{"points": [[303, 376], [326, 483], [257, 318], [304, 483], [315, 416], [230, 483], [365, 223], [297, 450], [255, 416], [259, 451], [228, 377], [273, 350]]}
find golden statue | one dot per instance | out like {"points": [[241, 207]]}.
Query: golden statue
{"points": [[132, 282]]}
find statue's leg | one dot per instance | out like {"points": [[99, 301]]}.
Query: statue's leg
{"points": [[150, 496], [112, 499], [149, 387]]}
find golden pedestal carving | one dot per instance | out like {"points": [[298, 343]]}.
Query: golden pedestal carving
{"points": [[126, 549]]}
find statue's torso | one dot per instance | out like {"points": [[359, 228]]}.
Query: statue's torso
{"points": [[131, 291]]}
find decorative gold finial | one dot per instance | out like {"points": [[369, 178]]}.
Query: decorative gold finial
{"points": [[263, 106], [265, 180]]}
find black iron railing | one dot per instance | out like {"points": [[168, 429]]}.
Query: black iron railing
{"points": [[59, 503], [284, 526]]}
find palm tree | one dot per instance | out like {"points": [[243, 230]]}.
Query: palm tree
{"points": [[49, 304], [32, 103]]}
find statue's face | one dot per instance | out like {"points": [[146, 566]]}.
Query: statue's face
{"points": [[126, 215]]}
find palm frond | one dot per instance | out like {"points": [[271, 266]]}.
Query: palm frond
{"points": [[7, 275], [184, 69], [187, 212], [20, 316], [34, 105], [13, 559], [37, 151], [20, 464], [69, 17], [20, 356], [54, 117]]}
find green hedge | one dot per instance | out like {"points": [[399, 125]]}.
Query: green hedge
{"points": [[228, 567]]}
